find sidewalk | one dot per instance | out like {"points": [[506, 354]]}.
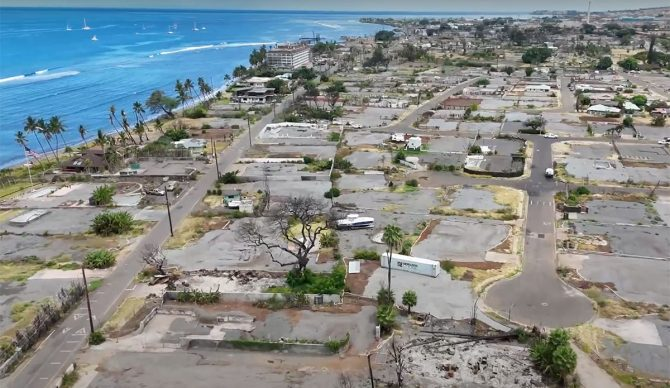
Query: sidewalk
{"points": [[589, 373]]}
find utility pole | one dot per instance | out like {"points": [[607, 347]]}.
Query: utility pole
{"points": [[216, 158], [249, 126], [167, 202], [88, 301], [372, 379]]}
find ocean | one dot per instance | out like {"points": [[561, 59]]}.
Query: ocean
{"points": [[50, 63]]}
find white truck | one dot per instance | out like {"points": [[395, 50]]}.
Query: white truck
{"points": [[354, 221], [412, 264]]}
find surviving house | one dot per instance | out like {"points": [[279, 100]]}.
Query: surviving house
{"points": [[602, 110], [91, 161], [195, 147], [253, 95]]}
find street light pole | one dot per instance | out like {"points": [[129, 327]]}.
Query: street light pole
{"points": [[167, 202], [216, 158], [88, 301], [249, 126]]}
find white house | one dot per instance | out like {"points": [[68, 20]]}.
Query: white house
{"points": [[602, 110], [629, 107], [195, 146], [258, 82], [414, 143], [538, 88]]}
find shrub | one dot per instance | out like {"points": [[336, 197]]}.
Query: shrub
{"points": [[308, 159], [176, 134], [447, 265], [386, 317], [229, 177], [111, 223], [99, 259], [400, 155], [334, 136], [406, 247], [409, 299], [581, 190], [96, 338], [102, 195], [310, 283], [412, 183], [195, 113], [329, 239], [206, 126], [198, 297], [335, 176], [342, 164], [334, 192], [366, 254], [658, 121], [385, 296], [335, 345], [475, 149], [553, 355]]}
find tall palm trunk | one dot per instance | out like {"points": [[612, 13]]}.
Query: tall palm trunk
{"points": [[41, 146], [389, 269], [54, 153]]}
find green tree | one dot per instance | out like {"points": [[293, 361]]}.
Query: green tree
{"points": [[658, 121], [31, 126], [529, 71], [82, 133], [392, 237], [384, 36], [103, 195], [409, 299], [279, 85], [508, 69], [536, 55], [385, 296], [639, 100], [604, 63], [159, 102], [629, 64]]}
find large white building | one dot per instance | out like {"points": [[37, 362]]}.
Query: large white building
{"points": [[288, 56]]}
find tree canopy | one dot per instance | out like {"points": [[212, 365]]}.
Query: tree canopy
{"points": [[535, 55], [604, 63], [384, 36], [159, 102]]}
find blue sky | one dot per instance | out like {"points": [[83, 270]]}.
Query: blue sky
{"points": [[350, 5]]}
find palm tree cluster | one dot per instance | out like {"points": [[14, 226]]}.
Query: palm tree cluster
{"points": [[51, 131], [125, 130], [186, 91]]}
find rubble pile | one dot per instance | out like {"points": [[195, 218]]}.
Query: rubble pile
{"points": [[490, 364]]}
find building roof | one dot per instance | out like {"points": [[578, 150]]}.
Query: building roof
{"points": [[91, 158], [190, 143], [603, 108], [627, 105]]}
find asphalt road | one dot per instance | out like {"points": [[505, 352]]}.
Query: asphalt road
{"points": [[537, 297], [58, 350]]}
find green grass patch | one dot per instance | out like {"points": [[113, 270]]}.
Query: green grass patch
{"points": [[94, 284], [69, 379], [20, 270]]}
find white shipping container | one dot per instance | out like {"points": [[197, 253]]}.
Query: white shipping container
{"points": [[412, 264]]}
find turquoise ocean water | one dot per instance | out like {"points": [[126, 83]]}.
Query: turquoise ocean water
{"points": [[51, 65]]}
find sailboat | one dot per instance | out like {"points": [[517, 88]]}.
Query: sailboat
{"points": [[86, 27], [170, 30], [94, 38], [203, 28], [68, 28], [195, 27]]}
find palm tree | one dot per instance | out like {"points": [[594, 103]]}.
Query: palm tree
{"points": [[31, 127], [139, 131], [188, 85], [392, 237], [182, 95], [57, 127], [159, 125], [82, 133], [126, 126], [46, 132], [101, 140], [226, 77], [20, 139], [139, 111]]}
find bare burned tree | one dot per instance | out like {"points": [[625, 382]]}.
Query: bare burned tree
{"points": [[298, 241], [154, 257], [396, 353]]}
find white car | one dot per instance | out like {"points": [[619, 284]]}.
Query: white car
{"points": [[664, 142], [550, 136]]}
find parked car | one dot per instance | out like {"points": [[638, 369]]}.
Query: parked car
{"points": [[155, 192], [665, 141], [550, 135], [171, 185], [549, 173]]}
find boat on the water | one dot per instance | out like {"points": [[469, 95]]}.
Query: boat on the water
{"points": [[94, 38], [195, 27], [86, 27], [68, 28]]}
